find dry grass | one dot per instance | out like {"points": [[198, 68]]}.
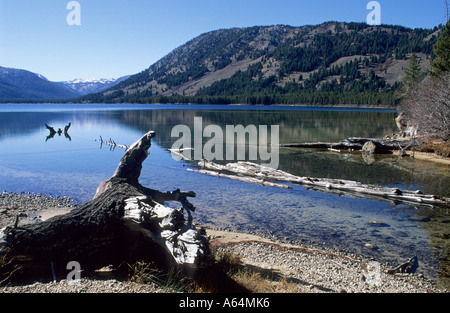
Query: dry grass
{"points": [[227, 273], [247, 278], [7, 269], [147, 273], [257, 282], [439, 147]]}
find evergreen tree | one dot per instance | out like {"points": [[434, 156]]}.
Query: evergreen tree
{"points": [[442, 50], [413, 73]]}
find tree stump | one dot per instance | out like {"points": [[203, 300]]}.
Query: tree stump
{"points": [[125, 222]]}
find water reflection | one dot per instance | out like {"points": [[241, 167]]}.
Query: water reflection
{"points": [[295, 126], [53, 132], [75, 168], [313, 126]]}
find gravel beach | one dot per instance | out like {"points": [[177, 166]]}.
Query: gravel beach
{"points": [[31, 208], [319, 270], [312, 270]]}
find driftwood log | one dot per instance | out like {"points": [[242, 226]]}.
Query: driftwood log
{"points": [[255, 173], [377, 146], [125, 222]]}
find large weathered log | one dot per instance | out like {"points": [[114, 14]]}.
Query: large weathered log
{"points": [[247, 179], [336, 186], [124, 222], [381, 146]]}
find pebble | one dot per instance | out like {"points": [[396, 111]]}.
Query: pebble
{"points": [[13, 204], [85, 285], [320, 271]]}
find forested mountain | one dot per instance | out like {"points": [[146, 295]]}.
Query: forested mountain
{"points": [[331, 63]]}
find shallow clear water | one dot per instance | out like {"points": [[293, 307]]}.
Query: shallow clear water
{"points": [[31, 162]]}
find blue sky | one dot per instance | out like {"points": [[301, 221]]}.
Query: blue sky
{"points": [[118, 38]]}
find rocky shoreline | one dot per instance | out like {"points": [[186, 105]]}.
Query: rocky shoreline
{"points": [[321, 270], [312, 270], [30, 207]]}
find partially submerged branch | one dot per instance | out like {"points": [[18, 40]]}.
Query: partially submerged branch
{"points": [[337, 186], [381, 146], [112, 144], [53, 132]]}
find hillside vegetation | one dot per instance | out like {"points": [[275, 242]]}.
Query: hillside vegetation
{"points": [[331, 63]]}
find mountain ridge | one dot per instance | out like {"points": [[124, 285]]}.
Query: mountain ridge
{"points": [[85, 86], [23, 85], [18, 84], [330, 62]]}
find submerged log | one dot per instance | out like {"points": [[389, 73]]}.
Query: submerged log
{"points": [[51, 129], [53, 132], [379, 146], [124, 222], [252, 180], [336, 186]]}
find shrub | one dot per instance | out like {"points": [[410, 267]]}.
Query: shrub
{"points": [[427, 107]]}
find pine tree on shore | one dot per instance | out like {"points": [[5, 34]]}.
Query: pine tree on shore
{"points": [[413, 73], [441, 64]]}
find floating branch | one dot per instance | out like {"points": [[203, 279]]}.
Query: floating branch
{"points": [[243, 170], [180, 153], [112, 144]]}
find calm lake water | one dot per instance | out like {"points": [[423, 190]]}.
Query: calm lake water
{"points": [[74, 166]]}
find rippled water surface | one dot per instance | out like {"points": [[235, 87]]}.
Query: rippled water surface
{"points": [[74, 165]]}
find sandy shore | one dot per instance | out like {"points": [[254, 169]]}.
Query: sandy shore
{"points": [[426, 156], [311, 270]]}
